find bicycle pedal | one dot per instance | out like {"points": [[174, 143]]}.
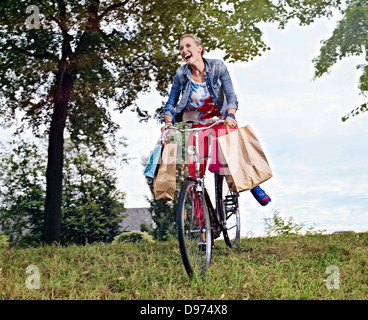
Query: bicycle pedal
{"points": [[230, 203], [202, 246]]}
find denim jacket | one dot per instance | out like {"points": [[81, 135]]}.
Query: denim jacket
{"points": [[218, 83]]}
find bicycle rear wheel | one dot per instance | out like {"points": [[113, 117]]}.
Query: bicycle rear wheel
{"points": [[194, 229], [231, 215]]}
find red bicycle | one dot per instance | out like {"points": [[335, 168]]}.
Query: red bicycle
{"points": [[198, 221]]}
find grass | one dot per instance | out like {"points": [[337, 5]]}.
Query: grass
{"points": [[272, 268]]}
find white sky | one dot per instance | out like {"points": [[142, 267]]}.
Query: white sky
{"points": [[320, 164]]}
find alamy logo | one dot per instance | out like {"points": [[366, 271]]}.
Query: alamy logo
{"points": [[33, 281], [33, 21], [333, 281]]}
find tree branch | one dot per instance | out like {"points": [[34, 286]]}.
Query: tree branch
{"points": [[44, 55], [62, 10], [56, 20], [111, 8]]}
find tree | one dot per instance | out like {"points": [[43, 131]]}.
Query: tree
{"points": [[67, 62], [349, 38], [92, 205], [22, 192]]}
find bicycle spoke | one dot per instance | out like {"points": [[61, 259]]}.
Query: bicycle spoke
{"points": [[229, 216]]}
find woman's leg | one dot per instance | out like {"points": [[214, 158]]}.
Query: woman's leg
{"points": [[203, 151]]}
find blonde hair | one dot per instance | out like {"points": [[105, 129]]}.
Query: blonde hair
{"points": [[197, 41]]}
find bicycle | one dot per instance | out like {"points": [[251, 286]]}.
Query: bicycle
{"points": [[198, 221]]}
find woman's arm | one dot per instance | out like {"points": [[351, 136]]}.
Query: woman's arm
{"points": [[168, 122], [231, 98], [228, 88], [170, 105]]}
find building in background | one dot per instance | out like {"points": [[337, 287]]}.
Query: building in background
{"points": [[135, 217]]}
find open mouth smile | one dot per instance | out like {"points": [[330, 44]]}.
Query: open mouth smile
{"points": [[187, 57]]}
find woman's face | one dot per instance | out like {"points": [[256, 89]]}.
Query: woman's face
{"points": [[190, 51]]}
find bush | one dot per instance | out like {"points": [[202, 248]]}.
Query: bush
{"points": [[278, 226], [4, 241], [146, 228], [133, 236]]}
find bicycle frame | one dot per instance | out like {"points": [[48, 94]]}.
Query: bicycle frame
{"points": [[194, 151], [216, 214], [196, 250]]}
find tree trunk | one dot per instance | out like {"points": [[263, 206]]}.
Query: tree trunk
{"points": [[54, 172], [64, 85]]}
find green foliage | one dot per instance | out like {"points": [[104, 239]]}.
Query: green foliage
{"points": [[92, 205], [144, 227], [22, 192], [164, 216], [278, 226], [115, 49], [4, 241], [349, 38], [355, 112], [133, 236]]}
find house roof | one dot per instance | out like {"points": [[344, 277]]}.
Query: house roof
{"points": [[135, 217]]}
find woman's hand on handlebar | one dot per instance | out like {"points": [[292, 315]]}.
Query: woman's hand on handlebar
{"points": [[168, 122], [230, 118], [166, 126]]}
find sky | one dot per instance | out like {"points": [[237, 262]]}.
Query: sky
{"points": [[319, 163]]}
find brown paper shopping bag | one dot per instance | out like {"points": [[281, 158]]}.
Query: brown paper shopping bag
{"points": [[164, 183], [245, 165]]}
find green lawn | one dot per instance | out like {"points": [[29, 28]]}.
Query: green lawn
{"points": [[276, 268]]}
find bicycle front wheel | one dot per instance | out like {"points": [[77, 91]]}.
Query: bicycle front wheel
{"points": [[194, 229]]}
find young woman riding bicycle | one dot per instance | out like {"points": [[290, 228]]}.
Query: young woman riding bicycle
{"points": [[206, 92]]}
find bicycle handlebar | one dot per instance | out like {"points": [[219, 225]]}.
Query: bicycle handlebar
{"points": [[197, 129]]}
